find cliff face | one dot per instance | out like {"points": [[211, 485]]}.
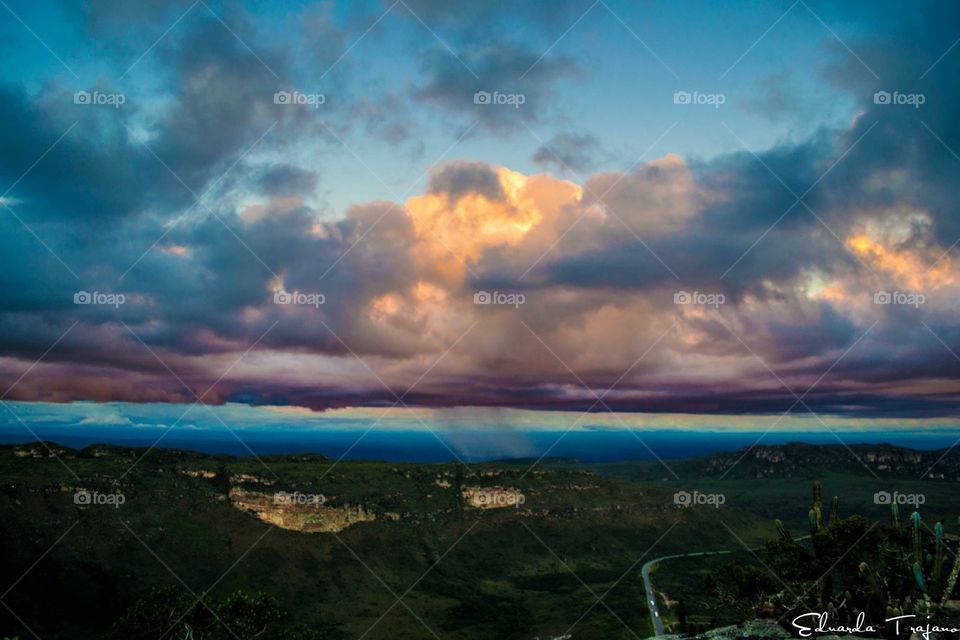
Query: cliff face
{"points": [[304, 516]]}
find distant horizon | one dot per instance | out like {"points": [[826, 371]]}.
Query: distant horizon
{"points": [[412, 418], [468, 445]]}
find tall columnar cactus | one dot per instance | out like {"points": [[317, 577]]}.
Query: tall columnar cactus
{"points": [[938, 557], [917, 547], [817, 513], [889, 586], [933, 588], [951, 579], [918, 576]]}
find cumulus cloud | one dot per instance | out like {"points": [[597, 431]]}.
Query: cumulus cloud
{"points": [[489, 286]]}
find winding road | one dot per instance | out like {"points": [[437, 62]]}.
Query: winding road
{"points": [[648, 585]]}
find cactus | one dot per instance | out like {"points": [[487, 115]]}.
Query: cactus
{"points": [[938, 559], [951, 581], [917, 548], [818, 514], [918, 576], [888, 588]]}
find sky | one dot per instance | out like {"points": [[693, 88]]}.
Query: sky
{"points": [[673, 213]]}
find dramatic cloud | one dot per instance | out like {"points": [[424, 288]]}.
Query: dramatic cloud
{"points": [[182, 245]]}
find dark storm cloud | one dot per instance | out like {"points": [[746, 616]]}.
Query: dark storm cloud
{"points": [[919, 142], [83, 169], [501, 87], [579, 152], [459, 178], [224, 102]]}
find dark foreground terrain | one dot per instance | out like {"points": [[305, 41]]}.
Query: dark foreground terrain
{"points": [[110, 542]]}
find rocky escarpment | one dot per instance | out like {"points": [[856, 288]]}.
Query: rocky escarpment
{"points": [[802, 460], [298, 512], [41, 450]]}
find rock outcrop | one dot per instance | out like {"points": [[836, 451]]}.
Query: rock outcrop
{"points": [[304, 516]]}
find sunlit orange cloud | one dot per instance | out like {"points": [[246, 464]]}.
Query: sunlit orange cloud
{"points": [[459, 231], [415, 308], [906, 267]]}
